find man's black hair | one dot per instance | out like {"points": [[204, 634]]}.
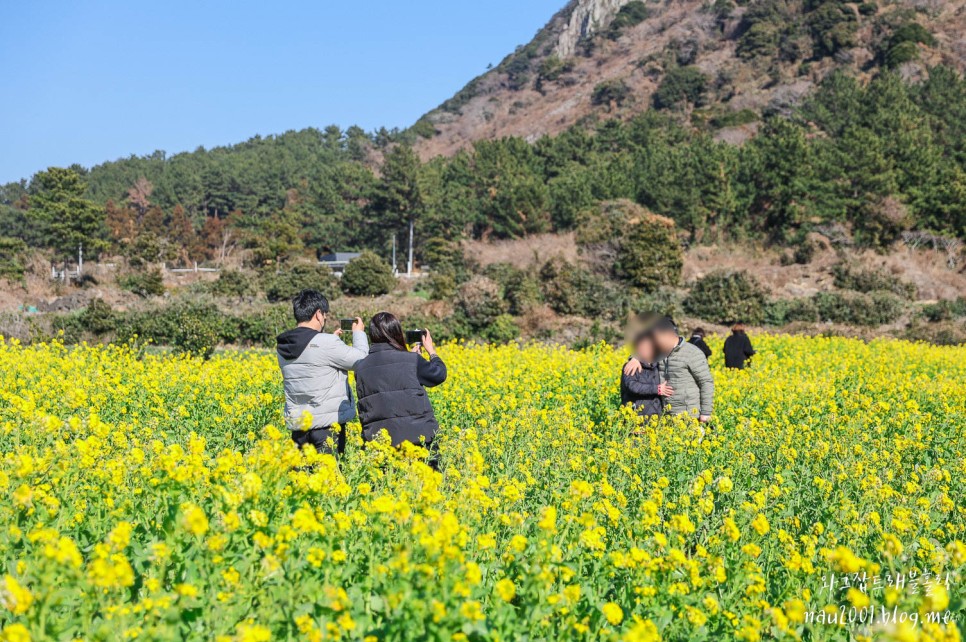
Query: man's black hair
{"points": [[306, 303], [664, 324]]}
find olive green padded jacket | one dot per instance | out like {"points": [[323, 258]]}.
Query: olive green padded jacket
{"points": [[686, 369]]}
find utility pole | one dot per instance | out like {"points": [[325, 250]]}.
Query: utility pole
{"points": [[80, 259], [394, 270], [409, 266]]}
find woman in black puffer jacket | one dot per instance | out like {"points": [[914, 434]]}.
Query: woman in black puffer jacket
{"points": [[391, 385]]}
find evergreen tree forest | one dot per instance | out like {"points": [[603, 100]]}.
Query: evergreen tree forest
{"points": [[869, 159]]}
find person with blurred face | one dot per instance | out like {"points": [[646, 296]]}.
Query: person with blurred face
{"points": [[391, 385], [644, 390], [684, 368]]}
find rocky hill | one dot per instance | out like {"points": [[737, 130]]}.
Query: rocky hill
{"points": [[602, 59]]}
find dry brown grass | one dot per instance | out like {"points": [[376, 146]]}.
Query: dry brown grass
{"points": [[532, 251], [925, 269]]}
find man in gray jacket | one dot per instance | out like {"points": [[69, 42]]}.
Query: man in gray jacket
{"points": [[315, 369], [685, 369]]}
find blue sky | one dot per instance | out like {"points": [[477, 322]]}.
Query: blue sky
{"points": [[90, 81]]}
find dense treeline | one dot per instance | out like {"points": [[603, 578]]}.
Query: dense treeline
{"points": [[867, 161]]}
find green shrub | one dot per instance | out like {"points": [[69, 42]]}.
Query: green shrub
{"points": [[442, 286], [13, 253], [681, 85], [852, 277], [622, 240], [868, 8], [878, 308], [479, 299], [836, 307], [734, 118], [196, 335], [260, 328], [900, 54], [912, 32], [143, 284], [943, 334], [759, 40], [502, 329], [727, 297], [444, 256], [833, 27], [571, 289], [179, 324], [597, 334], [368, 275], [68, 328], [283, 285], [611, 92], [802, 254], [501, 273], [424, 128], [902, 45], [233, 283], [551, 69], [781, 311], [522, 292], [664, 302], [776, 312], [631, 14], [945, 310], [98, 318]]}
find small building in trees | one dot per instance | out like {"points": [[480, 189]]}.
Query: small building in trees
{"points": [[336, 261]]}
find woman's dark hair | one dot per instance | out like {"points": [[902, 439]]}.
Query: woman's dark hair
{"points": [[698, 331], [385, 328]]}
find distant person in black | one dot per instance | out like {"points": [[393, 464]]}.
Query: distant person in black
{"points": [[737, 348], [697, 340], [391, 386]]}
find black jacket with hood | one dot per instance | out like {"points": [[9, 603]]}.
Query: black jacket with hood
{"points": [[698, 341]]}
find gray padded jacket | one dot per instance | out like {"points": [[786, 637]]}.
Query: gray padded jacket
{"points": [[315, 372]]}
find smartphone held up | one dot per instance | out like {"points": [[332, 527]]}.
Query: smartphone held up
{"points": [[415, 336]]}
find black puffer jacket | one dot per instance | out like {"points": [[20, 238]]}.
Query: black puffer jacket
{"points": [[737, 350], [641, 391], [391, 386]]}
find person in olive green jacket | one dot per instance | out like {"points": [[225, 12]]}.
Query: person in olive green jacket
{"points": [[683, 367]]}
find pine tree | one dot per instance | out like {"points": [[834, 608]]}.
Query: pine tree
{"points": [[69, 220], [398, 197]]}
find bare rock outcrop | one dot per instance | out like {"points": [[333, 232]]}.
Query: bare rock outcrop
{"points": [[587, 19]]}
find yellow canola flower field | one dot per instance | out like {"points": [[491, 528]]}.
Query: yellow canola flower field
{"points": [[158, 498]]}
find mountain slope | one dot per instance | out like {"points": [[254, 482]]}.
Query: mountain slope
{"points": [[600, 59]]}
